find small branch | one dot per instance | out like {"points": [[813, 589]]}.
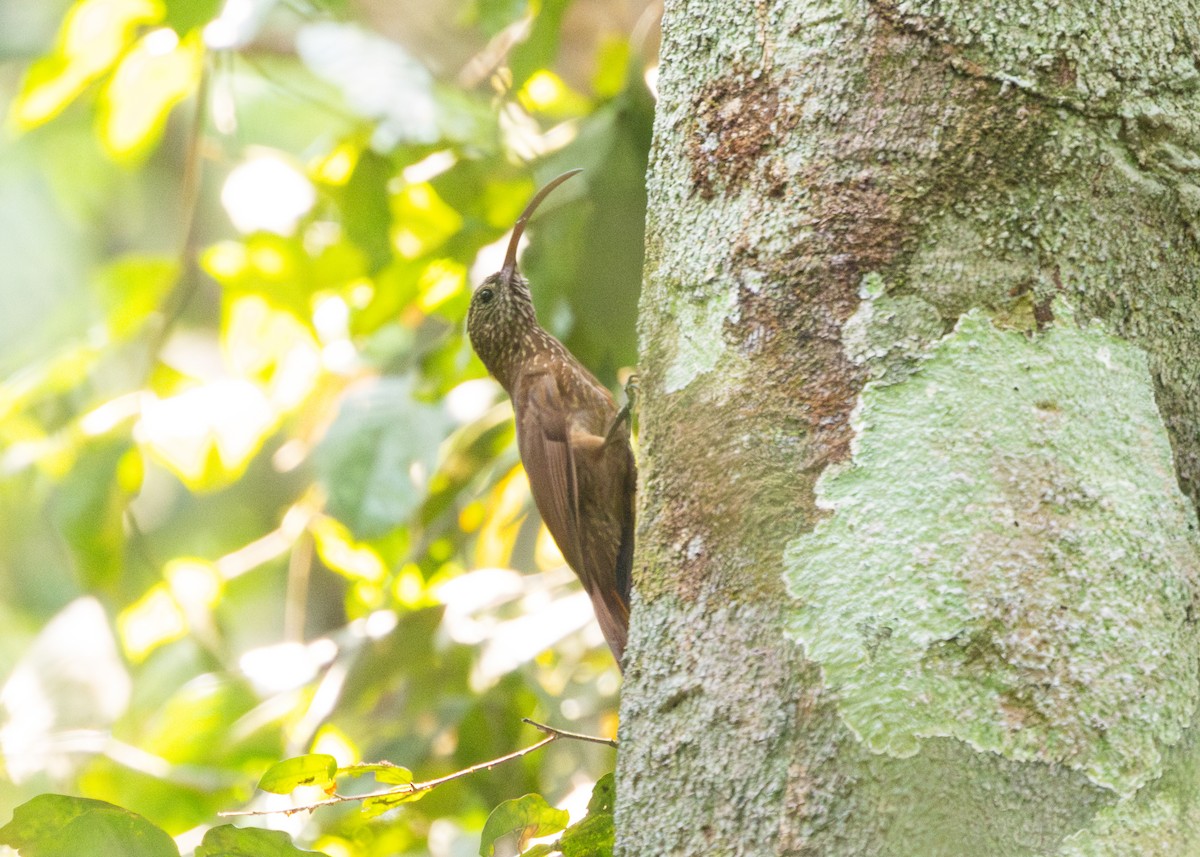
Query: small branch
{"points": [[410, 789], [562, 733]]}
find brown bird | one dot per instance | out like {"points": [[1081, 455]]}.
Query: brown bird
{"points": [[573, 440]]}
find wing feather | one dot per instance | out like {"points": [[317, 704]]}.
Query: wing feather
{"points": [[543, 438]]}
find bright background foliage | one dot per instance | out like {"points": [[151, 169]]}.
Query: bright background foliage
{"points": [[257, 496]]}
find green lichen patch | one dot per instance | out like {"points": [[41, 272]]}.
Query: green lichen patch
{"points": [[1009, 560], [698, 337], [890, 335]]}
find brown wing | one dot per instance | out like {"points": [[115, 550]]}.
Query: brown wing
{"points": [[543, 438]]}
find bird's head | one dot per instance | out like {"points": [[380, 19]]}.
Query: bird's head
{"points": [[502, 307]]}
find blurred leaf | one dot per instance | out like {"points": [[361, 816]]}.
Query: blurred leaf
{"points": [[207, 434], [211, 705], [131, 288], [272, 266], [89, 506], [492, 16], [314, 769], [339, 550], [520, 820], [377, 78], [94, 35], [158, 73], [541, 47], [366, 208], [613, 68], [423, 220], [230, 841], [376, 457], [185, 15], [54, 825]]}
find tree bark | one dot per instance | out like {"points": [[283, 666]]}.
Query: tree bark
{"points": [[917, 562]]}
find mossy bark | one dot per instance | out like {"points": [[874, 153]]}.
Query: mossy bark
{"points": [[917, 563]]}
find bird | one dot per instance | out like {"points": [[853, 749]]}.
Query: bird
{"points": [[573, 439]]}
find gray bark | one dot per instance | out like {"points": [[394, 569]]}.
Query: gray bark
{"points": [[917, 562]]}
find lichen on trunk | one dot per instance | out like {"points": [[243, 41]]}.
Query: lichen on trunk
{"points": [[920, 433]]}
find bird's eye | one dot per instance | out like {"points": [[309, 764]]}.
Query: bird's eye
{"points": [[485, 295]]}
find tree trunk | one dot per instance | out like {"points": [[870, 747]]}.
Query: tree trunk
{"points": [[917, 565]]}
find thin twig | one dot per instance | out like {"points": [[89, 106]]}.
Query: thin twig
{"points": [[563, 733], [410, 789], [189, 271]]}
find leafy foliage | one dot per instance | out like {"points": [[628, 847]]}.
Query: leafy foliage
{"points": [[258, 500]]}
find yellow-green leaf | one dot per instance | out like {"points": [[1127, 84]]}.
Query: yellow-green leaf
{"points": [[94, 35], [314, 769]]}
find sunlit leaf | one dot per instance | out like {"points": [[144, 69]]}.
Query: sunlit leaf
{"points": [[207, 435], [185, 15], [211, 706], [520, 820], [423, 220], [272, 348], [540, 850], [546, 93], [384, 772], [540, 48], [612, 67], [376, 458], [152, 621], [442, 281], [54, 825], [380, 804], [366, 207], [89, 505], [93, 36], [131, 288], [230, 841], [158, 73], [508, 503], [314, 769], [341, 552]]}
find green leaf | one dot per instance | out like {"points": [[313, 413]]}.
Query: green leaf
{"points": [[185, 15], [385, 772], [230, 841], [520, 820], [366, 208], [147, 83], [540, 48], [314, 769], [89, 506], [376, 457], [380, 804], [541, 850], [131, 288], [54, 825], [604, 794], [591, 837], [594, 835]]}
